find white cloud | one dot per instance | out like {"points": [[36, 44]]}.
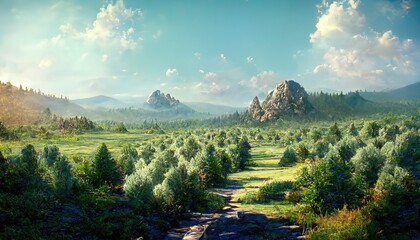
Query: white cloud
{"points": [[171, 72], [210, 76], [109, 26], [127, 43], [353, 4], [197, 55], [45, 63], [201, 71], [395, 9], [263, 81], [356, 57], [223, 57], [130, 31], [249, 59], [338, 23], [320, 68], [211, 88], [408, 43], [104, 58]]}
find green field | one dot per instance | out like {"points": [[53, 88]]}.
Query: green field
{"points": [[265, 158], [84, 144]]}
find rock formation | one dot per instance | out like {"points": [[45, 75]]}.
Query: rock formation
{"points": [[255, 110], [288, 98], [158, 100]]}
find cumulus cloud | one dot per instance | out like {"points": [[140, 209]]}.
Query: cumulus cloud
{"points": [[339, 22], [110, 25], [213, 88], [210, 76], [354, 56], [263, 81], [171, 72]]}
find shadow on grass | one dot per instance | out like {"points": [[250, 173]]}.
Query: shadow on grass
{"points": [[245, 181]]}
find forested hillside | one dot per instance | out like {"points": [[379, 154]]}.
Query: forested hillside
{"points": [[25, 106]]}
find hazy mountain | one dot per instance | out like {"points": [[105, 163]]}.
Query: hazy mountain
{"points": [[411, 91], [213, 109], [324, 90], [100, 101], [136, 102]]}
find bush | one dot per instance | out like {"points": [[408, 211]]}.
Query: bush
{"points": [[128, 158], [347, 147], [327, 185], [302, 152], [274, 190], [62, 178], [173, 193], [289, 157], [248, 198], [190, 148], [271, 191], [370, 130], [367, 163], [209, 167], [121, 128], [345, 224], [49, 156], [139, 188], [105, 167], [396, 197]]}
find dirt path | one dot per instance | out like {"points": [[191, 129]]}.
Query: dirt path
{"points": [[232, 223], [195, 225]]}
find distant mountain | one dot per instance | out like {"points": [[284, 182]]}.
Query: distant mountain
{"points": [[213, 109], [324, 90], [379, 97], [100, 101], [411, 91], [19, 106], [136, 102], [288, 98]]}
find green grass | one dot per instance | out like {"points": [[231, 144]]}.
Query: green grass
{"points": [[265, 157], [84, 144]]}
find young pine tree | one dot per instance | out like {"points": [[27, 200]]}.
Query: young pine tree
{"points": [[105, 167], [62, 177]]}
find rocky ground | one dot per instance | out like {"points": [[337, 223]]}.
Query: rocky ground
{"points": [[231, 223]]}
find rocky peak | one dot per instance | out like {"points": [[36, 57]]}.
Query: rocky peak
{"points": [[288, 98], [255, 109], [158, 100]]}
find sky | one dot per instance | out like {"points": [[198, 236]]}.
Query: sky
{"points": [[222, 52]]}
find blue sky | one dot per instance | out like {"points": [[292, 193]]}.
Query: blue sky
{"points": [[215, 51]]}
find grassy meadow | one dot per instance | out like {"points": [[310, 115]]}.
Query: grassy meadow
{"points": [[265, 168], [84, 144]]}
